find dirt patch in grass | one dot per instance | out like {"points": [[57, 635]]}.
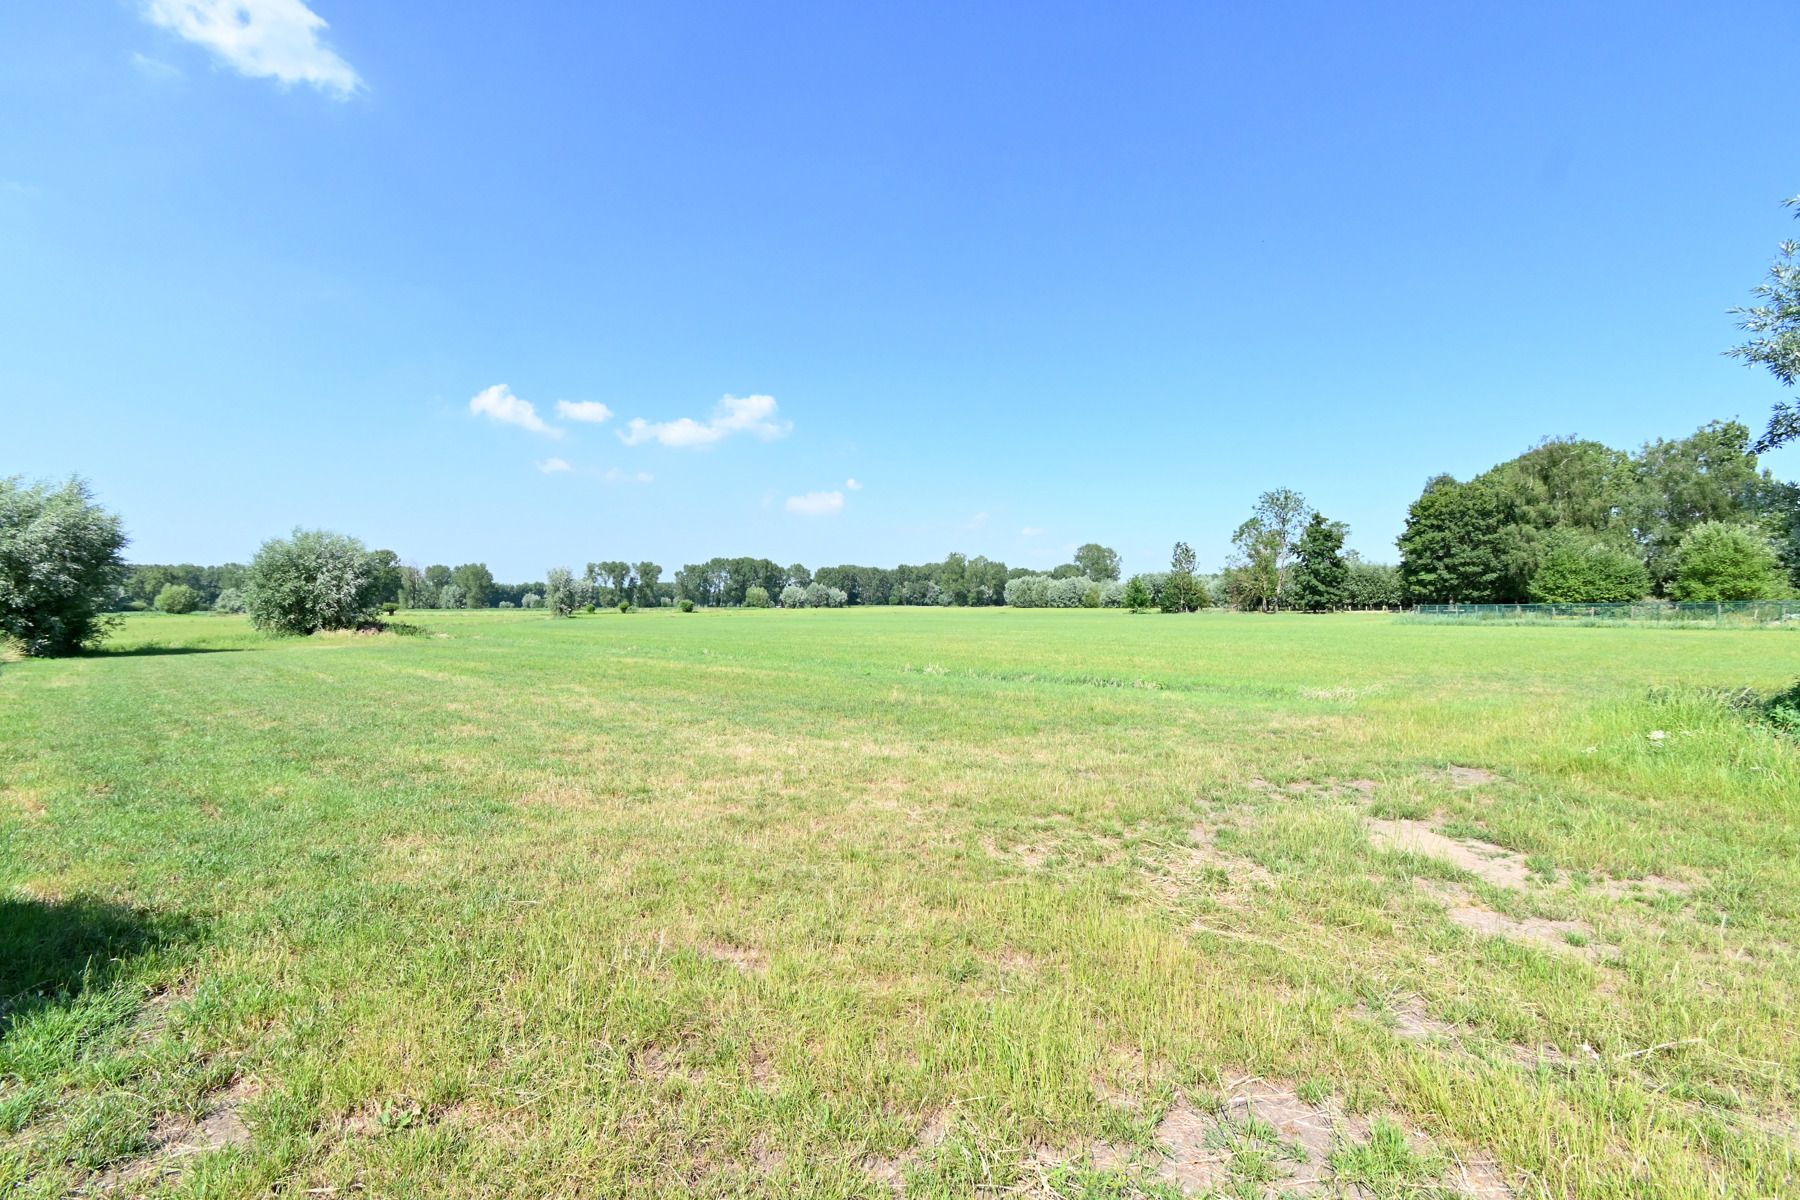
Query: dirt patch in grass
{"points": [[1495, 864], [1266, 1140], [1465, 777], [174, 1138], [744, 958], [1575, 938], [1411, 1020], [892, 1171]]}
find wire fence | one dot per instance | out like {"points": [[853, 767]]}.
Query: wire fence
{"points": [[1703, 612]]}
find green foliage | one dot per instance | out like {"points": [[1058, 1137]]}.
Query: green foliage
{"points": [[1454, 548], [1181, 591], [1775, 322], [1097, 562], [311, 581], [1576, 567], [756, 596], [625, 607], [231, 600], [476, 582], [177, 598], [685, 605], [1264, 547], [1722, 561], [1782, 710], [1137, 594], [560, 593], [60, 566], [1370, 585], [1321, 575]]}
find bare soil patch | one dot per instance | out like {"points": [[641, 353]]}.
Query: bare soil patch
{"points": [[744, 958], [1466, 777], [1495, 864], [892, 1171], [1575, 938], [1266, 1140], [176, 1138]]}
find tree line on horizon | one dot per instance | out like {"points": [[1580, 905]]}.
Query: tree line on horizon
{"points": [[1568, 521]]}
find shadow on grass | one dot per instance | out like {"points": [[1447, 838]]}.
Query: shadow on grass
{"points": [[141, 651], [52, 951]]}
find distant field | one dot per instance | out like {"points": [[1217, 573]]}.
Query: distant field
{"points": [[954, 902]]}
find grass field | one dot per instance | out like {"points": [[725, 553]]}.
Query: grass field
{"points": [[846, 903]]}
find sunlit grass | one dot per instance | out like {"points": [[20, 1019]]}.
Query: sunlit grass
{"points": [[799, 903]]}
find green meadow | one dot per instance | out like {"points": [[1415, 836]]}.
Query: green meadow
{"points": [[864, 902]]}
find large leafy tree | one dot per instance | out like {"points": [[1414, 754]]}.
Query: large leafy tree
{"points": [[1265, 546], [1710, 475], [1097, 561], [477, 583], [60, 566], [1455, 547], [1321, 575], [1774, 323]]}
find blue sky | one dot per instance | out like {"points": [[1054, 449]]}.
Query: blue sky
{"points": [[1031, 274]]}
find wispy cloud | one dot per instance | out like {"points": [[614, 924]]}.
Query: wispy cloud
{"points": [[498, 403], [551, 466], [156, 70], [1031, 531], [615, 475], [816, 504], [850, 485], [264, 39], [590, 411], [754, 415]]}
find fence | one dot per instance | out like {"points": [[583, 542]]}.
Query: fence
{"points": [[1713, 612]]}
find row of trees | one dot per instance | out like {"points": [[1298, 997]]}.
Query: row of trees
{"points": [[1573, 520]]}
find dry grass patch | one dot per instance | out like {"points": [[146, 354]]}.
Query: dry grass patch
{"points": [[1495, 864]]}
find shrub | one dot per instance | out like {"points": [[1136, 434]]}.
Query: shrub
{"points": [[60, 566], [559, 592], [1721, 561], [531, 600], [502, 604], [1137, 595], [685, 604], [177, 598], [230, 601], [819, 595], [624, 607], [1783, 711], [389, 607], [451, 595], [314, 580], [793, 596], [1576, 569], [1112, 594], [756, 596], [1072, 591], [1028, 591]]}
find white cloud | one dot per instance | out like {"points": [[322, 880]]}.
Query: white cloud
{"points": [[591, 411], [269, 39], [614, 475], [499, 403], [1031, 531], [754, 415], [852, 485], [816, 504], [551, 466]]}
